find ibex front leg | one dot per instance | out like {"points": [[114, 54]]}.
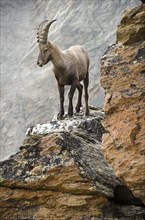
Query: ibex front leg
{"points": [[70, 96], [61, 97], [79, 103]]}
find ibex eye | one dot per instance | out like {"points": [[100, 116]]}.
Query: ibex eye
{"points": [[46, 49]]}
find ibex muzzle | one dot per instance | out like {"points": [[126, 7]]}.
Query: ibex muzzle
{"points": [[44, 54]]}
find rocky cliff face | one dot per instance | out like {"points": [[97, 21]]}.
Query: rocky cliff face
{"points": [[60, 173], [123, 78], [78, 169], [27, 91]]}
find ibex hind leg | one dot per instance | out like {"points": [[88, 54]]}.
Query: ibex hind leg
{"points": [[86, 83], [79, 103]]}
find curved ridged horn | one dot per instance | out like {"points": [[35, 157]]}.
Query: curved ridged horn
{"points": [[43, 30]]}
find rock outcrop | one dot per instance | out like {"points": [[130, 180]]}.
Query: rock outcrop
{"points": [[60, 173], [123, 78]]}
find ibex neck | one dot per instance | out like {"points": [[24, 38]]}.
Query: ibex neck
{"points": [[57, 56]]}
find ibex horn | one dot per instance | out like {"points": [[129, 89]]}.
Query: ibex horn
{"points": [[43, 30]]}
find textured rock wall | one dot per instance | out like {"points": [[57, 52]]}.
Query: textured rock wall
{"points": [[123, 78], [27, 92]]}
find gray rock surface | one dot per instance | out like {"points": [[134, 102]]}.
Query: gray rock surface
{"points": [[81, 137], [29, 94]]}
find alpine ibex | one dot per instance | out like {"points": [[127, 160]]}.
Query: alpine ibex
{"points": [[69, 66]]}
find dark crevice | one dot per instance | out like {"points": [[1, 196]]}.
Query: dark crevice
{"points": [[124, 196]]}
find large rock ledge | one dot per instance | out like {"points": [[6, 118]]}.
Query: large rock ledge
{"points": [[62, 174]]}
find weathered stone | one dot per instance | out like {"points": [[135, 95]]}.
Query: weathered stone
{"points": [[61, 175], [132, 26], [43, 179], [122, 76]]}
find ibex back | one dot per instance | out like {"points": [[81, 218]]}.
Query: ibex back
{"points": [[69, 66]]}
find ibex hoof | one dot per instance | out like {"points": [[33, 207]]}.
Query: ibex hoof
{"points": [[70, 114], [60, 116], [87, 113], [77, 109]]}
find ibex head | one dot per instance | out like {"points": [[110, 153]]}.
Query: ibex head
{"points": [[45, 47]]}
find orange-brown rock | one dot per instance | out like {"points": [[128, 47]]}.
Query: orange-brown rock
{"points": [[123, 78], [132, 26]]}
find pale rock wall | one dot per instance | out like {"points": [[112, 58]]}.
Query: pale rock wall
{"points": [[29, 94]]}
